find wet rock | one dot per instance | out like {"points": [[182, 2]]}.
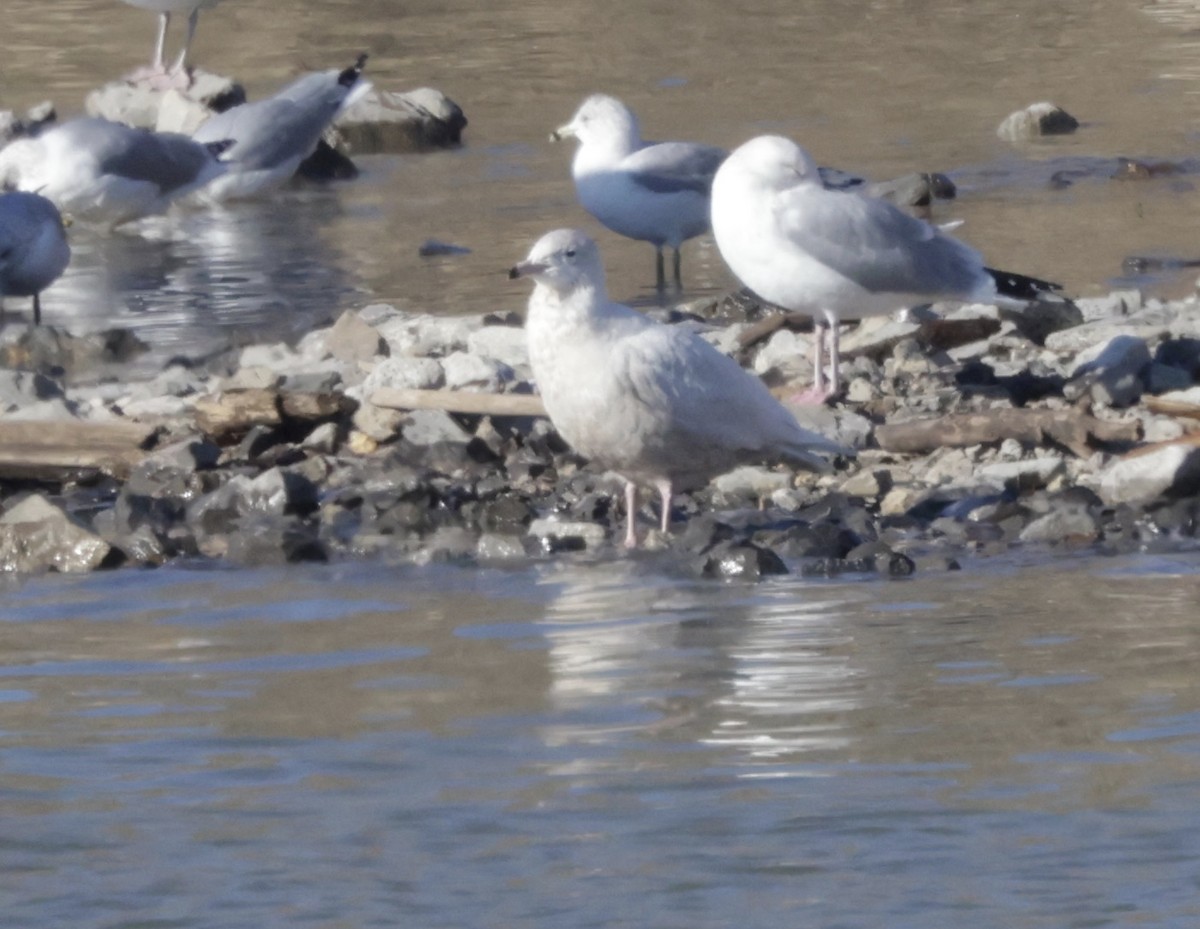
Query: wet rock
{"points": [[432, 248], [1025, 475], [1110, 371], [868, 483], [138, 104], [914, 189], [494, 546], [36, 536], [428, 427], [1063, 524], [555, 535], [1037, 119], [259, 543], [1109, 306], [63, 354], [879, 558], [1039, 319], [741, 561], [1170, 471], [414, 121]]}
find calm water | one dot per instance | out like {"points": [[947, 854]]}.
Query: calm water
{"points": [[600, 745], [882, 88], [1010, 746]]}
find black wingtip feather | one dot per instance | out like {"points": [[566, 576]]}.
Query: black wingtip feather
{"points": [[352, 74], [1021, 286]]}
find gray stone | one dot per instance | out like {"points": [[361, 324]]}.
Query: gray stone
{"points": [[1039, 319], [252, 377], [1037, 119], [387, 121], [381, 424], [428, 427], [1110, 371], [405, 372], [844, 427], [427, 335], [868, 483], [1063, 524], [494, 546], [752, 481], [1170, 471], [1027, 475], [138, 104], [505, 344], [785, 355], [20, 388], [567, 533], [471, 372], [1082, 338], [36, 535], [350, 339], [877, 337], [1109, 306], [195, 453], [323, 440]]}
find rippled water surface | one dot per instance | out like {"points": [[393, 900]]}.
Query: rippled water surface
{"points": [[601, 745], [882, 88]]}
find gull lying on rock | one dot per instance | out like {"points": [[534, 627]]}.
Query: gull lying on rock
{"points": [[158, 73], [271, 137], [655, 403], [33, 248], [108, 173], [835, 255], [656, 192]]}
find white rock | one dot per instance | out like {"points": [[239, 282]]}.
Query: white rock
{"points": [[505, 344], [1032, 472], [551, 527], [754, 480], [784, 355], [404, 372], [467, 371], [1143, 478]]}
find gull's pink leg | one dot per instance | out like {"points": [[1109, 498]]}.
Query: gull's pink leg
{"points": [[835, 358], [630, 509], [157, 69], [180, 65], [665, 493], [818, 393]]}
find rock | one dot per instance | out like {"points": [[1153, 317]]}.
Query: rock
{"points": [[139, 105], [1081, 338], [374, 424], [880, 558], [414, 121], [1161, 378], [36, 535], [1037, 119], [741, 561], [352, 340], [429, 427], [877, 336], [432, 336], [432, 248], [1170, 471], [20, 388], [1109, 306], [555, 535], [914, 189], [1063, 524], [752, 481], [494, 546], [1110, 371], [405, 372], [503, 344], [1030, 474], [867, 483], [1040, 319], [465, 371], [784, 356]]}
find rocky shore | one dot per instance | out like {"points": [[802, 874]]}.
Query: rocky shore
{"points": [[416, 438]]}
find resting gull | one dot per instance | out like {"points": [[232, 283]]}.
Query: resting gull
{"points": [[33, 248], [655, 192], [834, 255], [177, 74], [271, 137], [655, 403], [108, 173]]}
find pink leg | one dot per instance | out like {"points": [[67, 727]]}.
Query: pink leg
{"points": [[665, 494], [818, 393], [835, 358], [630, 510]]}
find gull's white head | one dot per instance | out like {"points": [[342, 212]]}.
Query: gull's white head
{"points": [[565, 260], [773, 161], [601, 119], [18, 160]]}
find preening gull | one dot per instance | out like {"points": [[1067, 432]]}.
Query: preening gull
{"points": [[33, 248], [108, 173], [835, 255], [656, 192], [271, 137], [177, 74], [655, 403]]}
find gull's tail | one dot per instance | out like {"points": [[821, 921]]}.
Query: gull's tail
{"points": [[1021, 286]]}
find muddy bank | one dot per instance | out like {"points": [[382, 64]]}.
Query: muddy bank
{"points": [[977, 429]]}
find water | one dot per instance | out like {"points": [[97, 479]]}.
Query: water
{"points": [[574, 744], [600, 745], [881, 88]]}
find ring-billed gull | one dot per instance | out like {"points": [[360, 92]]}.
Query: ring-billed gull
{"points": [[271, 137], [656, 192], [177, 74], [108, 173], [33, 248], [655, 403], [834, 255]]}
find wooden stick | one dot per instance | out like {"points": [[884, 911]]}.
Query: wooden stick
{"points": [[52, 450], [459, 401]]}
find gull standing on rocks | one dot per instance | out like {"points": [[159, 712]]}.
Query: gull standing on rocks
{"points": [[656, 192], [271, 137], [834, 255], [108, 173], [655, 403], [177, 75], [33, 248]]}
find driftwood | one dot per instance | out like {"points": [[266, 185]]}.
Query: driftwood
{"points": [[1074, 429], [459, 401], [1169, 407], [59, 450], [1190, 438], [236, 411]]}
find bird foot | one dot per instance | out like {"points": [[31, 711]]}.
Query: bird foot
{"points": [[160, 79], [810, 397]]}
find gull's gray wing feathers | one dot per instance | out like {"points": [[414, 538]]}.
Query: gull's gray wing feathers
{"points": [[165, 159], [673, 167]]}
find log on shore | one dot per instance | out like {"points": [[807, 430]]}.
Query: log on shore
{"points": [[459, 401], [1074, 429], [59, 450]]}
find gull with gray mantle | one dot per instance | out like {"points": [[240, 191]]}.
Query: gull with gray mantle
{"points": [[655, 403], [33, 248], [656, 192], [108, 173], [271, 137], [833, 255]]}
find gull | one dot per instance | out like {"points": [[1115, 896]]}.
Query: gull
{"points": [[656, 192], [655, 403], [177, 75], [271, 137], [108, 173], [33, 248], [834, 255]]}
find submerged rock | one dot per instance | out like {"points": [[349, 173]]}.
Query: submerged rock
{"points": [[36, 536], [1037, 119]]}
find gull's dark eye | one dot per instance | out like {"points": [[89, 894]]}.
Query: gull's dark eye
{"points": [[570, 253]]}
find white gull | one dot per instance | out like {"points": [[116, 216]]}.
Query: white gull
{"points": [[655, 403], [656, 192], [33, 248], [834, 255]]}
